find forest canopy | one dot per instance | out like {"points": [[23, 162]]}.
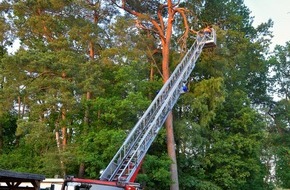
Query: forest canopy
{"points": [[85, 72]]}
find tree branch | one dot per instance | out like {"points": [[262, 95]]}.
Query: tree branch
{"points": [[159, 14], [184, 37], [139, 24], [159, 28], [176, 4]]}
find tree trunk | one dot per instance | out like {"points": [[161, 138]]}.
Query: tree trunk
{"points": [[88, 95], [63, 117], [169, 120], [165, 34], [19, 106], [63, 129], [86, 118], [81, 170], [57, 138], [171, 151], [1, 138]]}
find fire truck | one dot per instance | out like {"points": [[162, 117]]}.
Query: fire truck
{"points": [[123, 169]]}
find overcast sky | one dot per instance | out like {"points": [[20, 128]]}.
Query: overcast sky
{"points": [[278, 11]]}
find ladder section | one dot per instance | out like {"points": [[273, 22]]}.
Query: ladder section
{"points": [[127, 161]]}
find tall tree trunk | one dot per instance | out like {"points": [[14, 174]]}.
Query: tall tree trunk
{"points": [[81, 173], [57, 138], [62, 146], [169, 120], [64, 129], [86, 119], [171, 151], [88, 96], [23, 106], [63, 117], [1, 138], [19, 106]]}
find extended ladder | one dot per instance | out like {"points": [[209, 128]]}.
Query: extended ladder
{"points": [[127, 161]]}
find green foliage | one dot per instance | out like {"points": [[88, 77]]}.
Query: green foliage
{"points": [[96, 149], [233, 155], [27, 158], [53, 83], [7, 132], [279, 113], [155, 171], [280, 66], [280, 141]]}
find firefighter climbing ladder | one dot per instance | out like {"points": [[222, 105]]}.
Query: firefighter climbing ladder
{"points": [[125, 164]]}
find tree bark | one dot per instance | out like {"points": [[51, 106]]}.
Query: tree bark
{"points": [[64, 129], [63, 117], [57, 138], [1, 138], [169, 120], [171, 151], [81, 170]]}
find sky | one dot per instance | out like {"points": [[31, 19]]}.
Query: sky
{"points": [[278, 11]]}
